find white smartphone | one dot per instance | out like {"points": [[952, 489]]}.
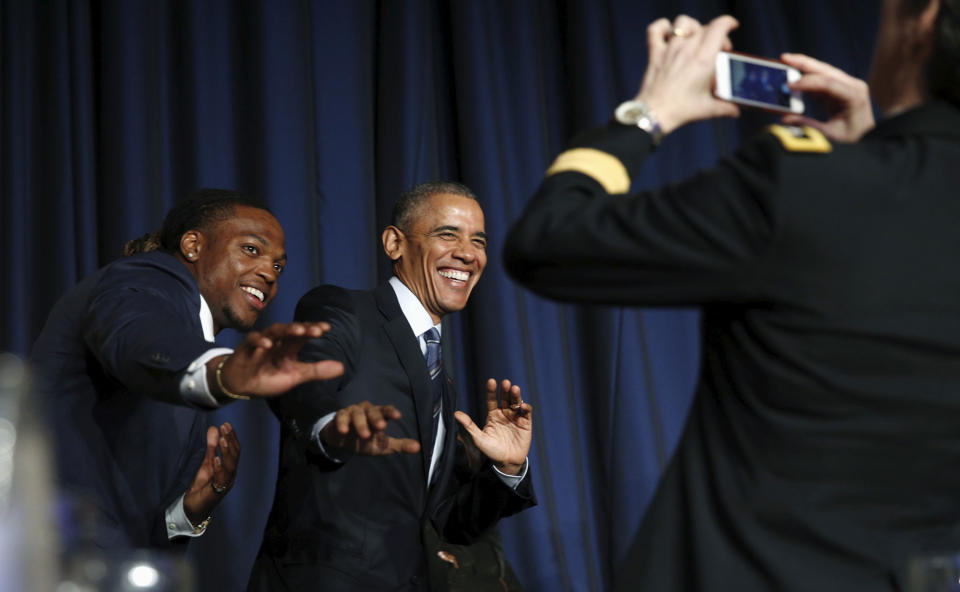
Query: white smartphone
{"points": [[757, 82]]}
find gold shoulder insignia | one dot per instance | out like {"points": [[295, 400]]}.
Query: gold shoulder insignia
{"points": [[605, 168], [801, 139]]}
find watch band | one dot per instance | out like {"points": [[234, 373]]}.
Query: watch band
{"points": [[637, 113]]}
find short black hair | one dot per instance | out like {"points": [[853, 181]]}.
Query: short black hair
{"points": [[201, 210], [406, 206], [942, 70]]}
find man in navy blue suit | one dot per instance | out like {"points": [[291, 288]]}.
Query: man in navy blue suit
{"points": [[127, 368]]}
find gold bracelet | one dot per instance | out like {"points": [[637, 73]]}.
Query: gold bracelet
{"points": [[223, 389], [200, 528]]}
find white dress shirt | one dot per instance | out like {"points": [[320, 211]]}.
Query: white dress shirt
{"points": [[194, 388]]}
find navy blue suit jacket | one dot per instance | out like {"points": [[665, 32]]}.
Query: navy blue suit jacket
{"points": [[108, 365]]}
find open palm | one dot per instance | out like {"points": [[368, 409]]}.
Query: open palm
{"points": [[506, 435]]}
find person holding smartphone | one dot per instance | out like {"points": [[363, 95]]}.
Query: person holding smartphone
{"points": [[821, 447]]}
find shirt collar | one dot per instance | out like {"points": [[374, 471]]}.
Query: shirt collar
{"points": [[414, 311], [206, 320]]}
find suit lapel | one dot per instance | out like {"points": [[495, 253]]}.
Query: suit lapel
{"points": [[407, 347]]}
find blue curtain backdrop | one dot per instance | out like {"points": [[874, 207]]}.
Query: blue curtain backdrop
{"points": [[112, 110]]}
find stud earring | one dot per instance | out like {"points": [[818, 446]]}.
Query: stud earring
{"points": [[190, 255]]}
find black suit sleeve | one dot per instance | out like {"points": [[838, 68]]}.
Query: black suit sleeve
{"points": [[698, 241], [477, 498], [303, 406]]}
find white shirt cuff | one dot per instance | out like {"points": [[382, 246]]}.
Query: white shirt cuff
{"points": [[513, 481], [315, 435], [193, 385], [178, 524]]}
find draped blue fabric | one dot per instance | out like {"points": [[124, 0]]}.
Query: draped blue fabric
{"points": [[113, 110]]}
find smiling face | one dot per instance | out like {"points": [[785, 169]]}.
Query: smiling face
{"points": [[236, 264], [441, 255]]}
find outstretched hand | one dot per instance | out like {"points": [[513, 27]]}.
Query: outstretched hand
{"points": [[846, 98], [506, 435], [265, 364], [216, 474], [361, 429], [678, 84]]}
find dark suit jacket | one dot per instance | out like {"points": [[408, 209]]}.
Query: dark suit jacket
{"points": [[108, 364], [822, 445], [358, 526]]}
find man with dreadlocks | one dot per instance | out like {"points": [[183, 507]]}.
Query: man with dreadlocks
{"points": [[126, 367]]}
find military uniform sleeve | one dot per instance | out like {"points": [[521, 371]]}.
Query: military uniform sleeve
{"points": [[582, 238]]}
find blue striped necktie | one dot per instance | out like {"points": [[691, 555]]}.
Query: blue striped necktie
{"points": [[435, 368]]}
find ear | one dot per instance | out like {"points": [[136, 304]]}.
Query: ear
{"points": [[393, 242], [191, 245], [928, 18], [925, 23]]}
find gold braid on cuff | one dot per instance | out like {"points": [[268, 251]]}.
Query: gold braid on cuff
{"points": [[222, 388]]}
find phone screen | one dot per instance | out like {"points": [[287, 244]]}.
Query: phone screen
{"points": [[756, 82]]}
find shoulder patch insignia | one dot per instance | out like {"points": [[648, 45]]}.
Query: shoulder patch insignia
{"points": [[801, 139], [605, 168]]}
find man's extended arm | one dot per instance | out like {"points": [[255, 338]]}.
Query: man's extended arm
{"points": [[313, 411], [146, 336]]}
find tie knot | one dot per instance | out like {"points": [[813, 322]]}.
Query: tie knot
{"points": [[432, 335]]}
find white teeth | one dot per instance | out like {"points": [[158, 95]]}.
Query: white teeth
{"points": [[253, 291], [454, 274]]}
